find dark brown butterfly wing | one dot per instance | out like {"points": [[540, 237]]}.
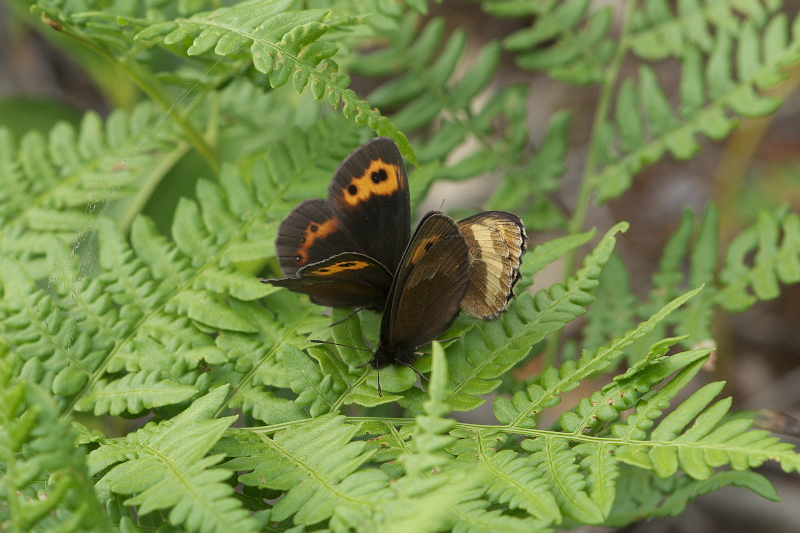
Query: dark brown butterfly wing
{"points": [[370, 199], [344, 280], [311, 233], [367, 213], [497, 241], [427, 290]]}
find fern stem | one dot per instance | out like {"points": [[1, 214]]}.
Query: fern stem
{"points": [[590, 176], [150, 87]]}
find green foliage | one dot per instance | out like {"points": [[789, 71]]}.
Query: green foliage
{"points": [[105, 311]]}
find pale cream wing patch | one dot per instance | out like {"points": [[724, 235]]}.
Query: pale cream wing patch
{"points": [[497, 241]]}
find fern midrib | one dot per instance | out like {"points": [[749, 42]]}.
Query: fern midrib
{"points": [[763, 453], [178, 474], [485, 458], [312, 472], [521, 334], [248, 377], [190, 281], [352, 386]]}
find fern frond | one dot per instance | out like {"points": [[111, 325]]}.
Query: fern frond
{"points": [[316, 465], [435, 90], [711, 441], [776, 243], [157, 299], [527, 403], [566, 39], [508, 478], [165, 465], [623, 393], [52, 190], [44, 482], [660, 31], [425, 497], [730, 78], [641, 495], [282, 43], [559, 466]]}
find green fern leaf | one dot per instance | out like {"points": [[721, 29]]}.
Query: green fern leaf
{"points": [[165, 465], [579, 46], [283, 44], [775, 262], [659, 33], [510, 480], [43, 477], [52, 187], [709, 88], [641, 494], [558, 464], [315, 465]]}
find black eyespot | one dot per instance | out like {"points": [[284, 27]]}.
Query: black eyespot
{"points": [[302, 239], [347, 265], [428, 246], [353, 190], [314, 227], [379, 176], [298, 258]]}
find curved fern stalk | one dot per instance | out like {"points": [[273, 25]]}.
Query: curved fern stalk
{"points": [[284, 44], [166, 467], [43, 477], [645, 126], [518, 412], [317, 468], [53, 190]]}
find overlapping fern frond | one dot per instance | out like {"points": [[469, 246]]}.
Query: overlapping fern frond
{"points": [[53, 189]]}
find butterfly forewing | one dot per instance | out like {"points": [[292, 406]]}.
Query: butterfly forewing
{"points": [[369, 195], [428, 287], [367, 213], [311, 233]]}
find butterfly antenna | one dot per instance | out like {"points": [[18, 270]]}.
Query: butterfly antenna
{"points": [[441, 340], [345, 318], [420, 374], [337, 344]]}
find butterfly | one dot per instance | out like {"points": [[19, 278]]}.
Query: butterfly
{"points": [[345, 250], [353, 250]]}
